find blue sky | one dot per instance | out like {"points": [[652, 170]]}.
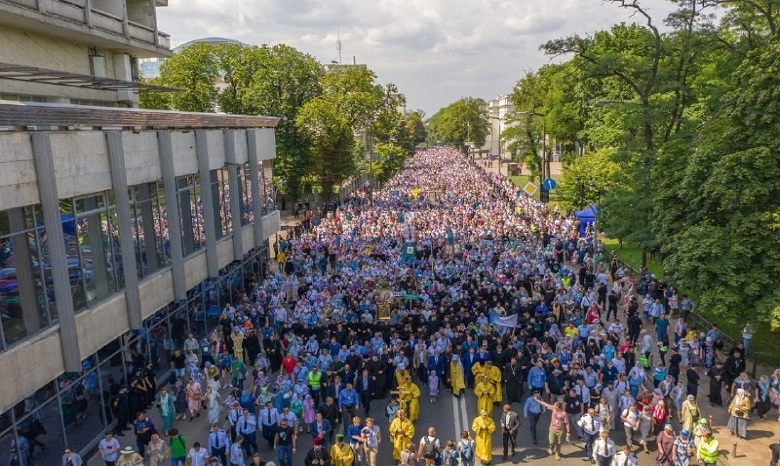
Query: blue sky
{"points": [[435, 51]]}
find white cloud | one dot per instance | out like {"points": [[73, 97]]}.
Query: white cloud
{"points": [[436, 51]]}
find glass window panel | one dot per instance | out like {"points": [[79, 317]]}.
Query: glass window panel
{"points": [[42, 425], [225, 212], [246, 195], [83, 419]]}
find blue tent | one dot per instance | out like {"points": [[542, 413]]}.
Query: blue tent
{"points": [[586, 216]]}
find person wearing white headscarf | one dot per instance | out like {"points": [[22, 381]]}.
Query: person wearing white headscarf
{"points": [[739, 411]]}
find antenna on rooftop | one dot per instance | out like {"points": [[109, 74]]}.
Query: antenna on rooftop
{"points": [[339, 42]]}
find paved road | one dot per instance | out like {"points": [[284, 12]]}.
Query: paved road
{"points": [[449, 415]]}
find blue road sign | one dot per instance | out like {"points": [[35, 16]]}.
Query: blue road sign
{"points": [[549, 184]]}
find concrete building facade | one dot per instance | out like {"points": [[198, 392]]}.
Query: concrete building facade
{"points": [[117, 241], [77, 51]]}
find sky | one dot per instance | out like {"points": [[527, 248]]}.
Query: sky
{"points": [[435, 51]]}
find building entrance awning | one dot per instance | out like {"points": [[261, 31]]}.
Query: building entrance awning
{"points": [[64, 78]]}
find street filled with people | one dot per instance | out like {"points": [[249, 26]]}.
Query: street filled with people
{"points": [[448, 282]]}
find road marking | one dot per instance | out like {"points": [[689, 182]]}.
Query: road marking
{"points": [[465, 413], [456, 415]]}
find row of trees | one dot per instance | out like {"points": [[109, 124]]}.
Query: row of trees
{"points": [[671, 126], [330, 117], [678, 120]]}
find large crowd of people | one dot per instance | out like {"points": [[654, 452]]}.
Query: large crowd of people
{"points": [[446, 280]]}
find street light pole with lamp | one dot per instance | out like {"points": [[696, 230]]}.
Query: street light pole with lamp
{"points": [[499, 141]]}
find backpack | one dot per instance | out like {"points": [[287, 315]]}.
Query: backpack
{"points": [[429, 448], [466, 450]]}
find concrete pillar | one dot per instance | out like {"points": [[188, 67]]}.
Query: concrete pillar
{"points": [[235, 194], [216, 202], [95, 232], [254, 177], [50, 203], [172, 209], [116, 158], [31, 313], [207, 201], [145, 193]]}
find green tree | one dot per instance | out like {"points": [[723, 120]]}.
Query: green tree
{"points": [[465, 120], [587, 180], [195, 71], [331, 143], [283, 80], [355, 93], [415, 126], [724, 245], [389, 159]]}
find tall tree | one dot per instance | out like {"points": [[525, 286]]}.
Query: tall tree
{"points": [[724, 244], [465, 120], [331, 143], [194, 70]]}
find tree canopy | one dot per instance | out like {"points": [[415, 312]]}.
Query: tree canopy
{"points": [[284, 82]]}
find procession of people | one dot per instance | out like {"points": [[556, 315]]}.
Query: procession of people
{"points": [[447, 280]]}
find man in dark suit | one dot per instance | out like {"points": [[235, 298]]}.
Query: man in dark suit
{"points": [[468, 362], [330, 412], [365, 390], [436, 363], [510, 423], [334, 388], [322, 428]]}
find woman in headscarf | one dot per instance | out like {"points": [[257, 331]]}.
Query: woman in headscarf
{"points": [[689, 413], [739, 410], [763, 403]]}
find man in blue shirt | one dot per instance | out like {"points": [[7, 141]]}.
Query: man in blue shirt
{"points": [[532, 410], [537, 377], [348, 402], [218, 442]]}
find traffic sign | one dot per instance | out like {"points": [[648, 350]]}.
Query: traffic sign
{"points": [[530, 188], [549, 184]]}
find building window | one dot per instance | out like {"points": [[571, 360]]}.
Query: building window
{"points": [[193, 232], [26, 285], [220, 190], [245, 179], [267, 188], [94, 260], [150, 230]]}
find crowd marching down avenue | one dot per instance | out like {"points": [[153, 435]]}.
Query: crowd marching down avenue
{"points": [[450, 320]]}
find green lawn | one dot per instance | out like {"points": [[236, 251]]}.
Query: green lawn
{"points": [[762, 339], [632, 256]]}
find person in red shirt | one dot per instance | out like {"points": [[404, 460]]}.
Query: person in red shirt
{"points": [[288, 364]]}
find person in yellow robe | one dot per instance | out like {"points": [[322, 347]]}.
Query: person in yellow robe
{"points": [[410, 394], [483, 426], [341, 454], [494, 373], [401, 433], [402, 375], [457, 381], [484, 391], [478, 370]]}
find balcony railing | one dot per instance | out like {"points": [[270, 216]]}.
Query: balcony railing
{"points": [[76, 11]]}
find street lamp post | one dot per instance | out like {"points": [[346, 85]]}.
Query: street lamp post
{"points": [[499, 142]]}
